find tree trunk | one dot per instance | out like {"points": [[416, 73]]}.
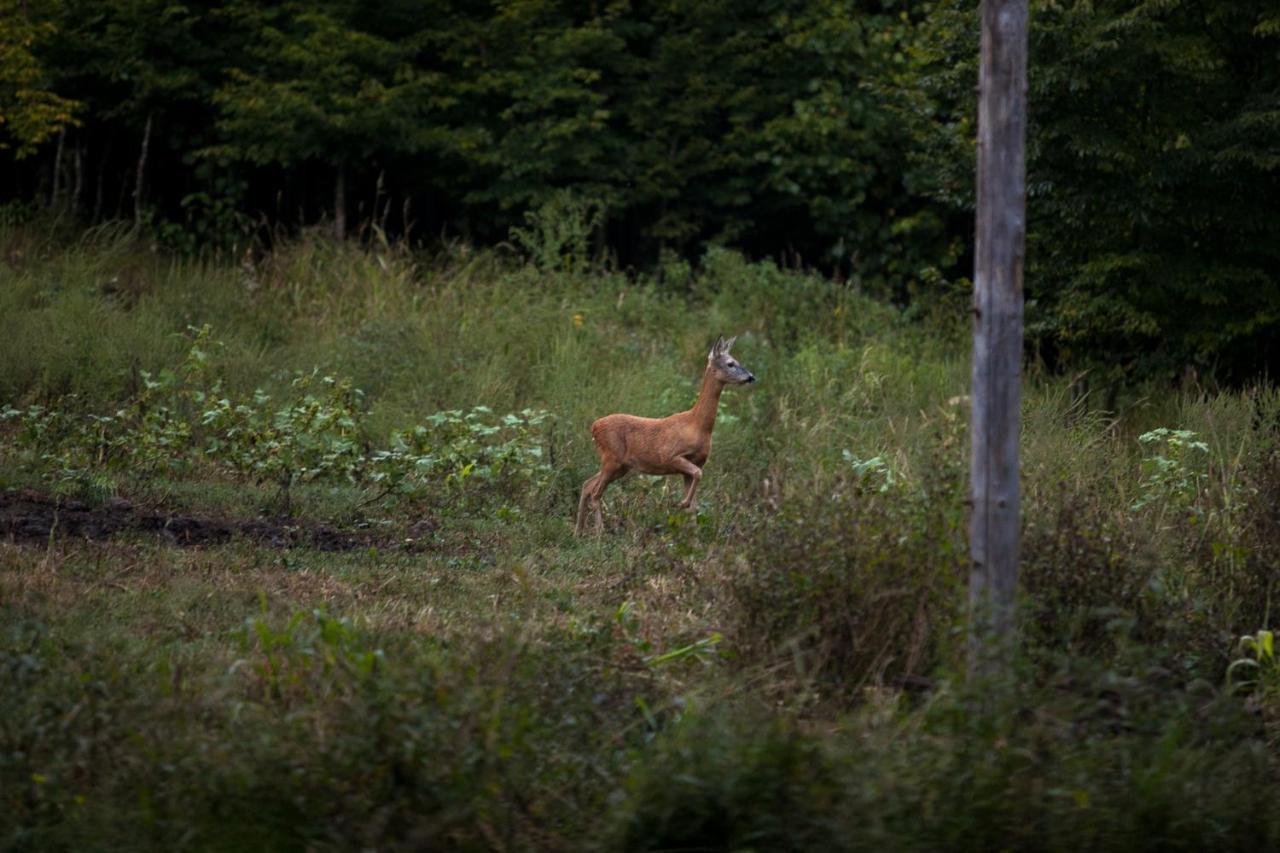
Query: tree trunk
{"points": [[103, 160], [142, 171], [78, 188], [997, 333], [340, 204], [57, 169], [381, 208]]}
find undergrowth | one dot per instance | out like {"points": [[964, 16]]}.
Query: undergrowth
{"points": [[183, 422], [780, 670]]}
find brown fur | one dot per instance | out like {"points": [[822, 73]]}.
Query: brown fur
{"points": [[677, 444]]}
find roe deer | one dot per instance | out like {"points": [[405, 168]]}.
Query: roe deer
{"points": [[677, 444]]}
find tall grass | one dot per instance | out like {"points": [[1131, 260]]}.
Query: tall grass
{"points": [[776, 672]]}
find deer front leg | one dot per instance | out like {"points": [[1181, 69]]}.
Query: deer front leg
{"points": [[692, 475]]}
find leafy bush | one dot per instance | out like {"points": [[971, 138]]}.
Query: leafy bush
{"points": [[559, 233], [456, 449], [1086, 581], [182, 419], [1150, 249], [1244, 563], [311, 438], [1105, 758], [1173, 473], [853, 587], [318, 735]]}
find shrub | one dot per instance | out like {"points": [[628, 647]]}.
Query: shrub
{"points": [[1173, 473], [1080, 573], [183, 418], [853, 587], [457, 449], [1250, 575], [1100, 758], [559, 233], [788, 306], [319, 736]]}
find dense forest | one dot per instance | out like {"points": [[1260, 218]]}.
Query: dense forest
{"points": [[837, 135]]}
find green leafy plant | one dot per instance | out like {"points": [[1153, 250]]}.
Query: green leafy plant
{"points": [[1173, 473], [457, 448], [67, 447], [871, 474], [311, 652], [1255, 666], [313, 433], [1255, 671], [557, 235], [312, 438]]}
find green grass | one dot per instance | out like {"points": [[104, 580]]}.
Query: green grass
{"points": [[780, 672]]}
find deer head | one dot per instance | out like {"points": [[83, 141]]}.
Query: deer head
{"points": [[724, 366]]}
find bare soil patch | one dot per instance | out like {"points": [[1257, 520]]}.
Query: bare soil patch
{"points": [[29, 516]]}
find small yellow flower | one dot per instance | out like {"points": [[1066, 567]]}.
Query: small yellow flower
{"points": [[577, 321]]}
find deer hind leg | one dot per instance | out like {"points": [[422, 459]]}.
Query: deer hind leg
{"points": [[583, 499], [608, 473], [692, 476]]}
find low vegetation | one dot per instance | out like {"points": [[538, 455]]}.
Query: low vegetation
{"points": [[453, 669]]}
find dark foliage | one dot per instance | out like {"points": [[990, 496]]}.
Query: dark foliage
{"points": [[719, 121], [839, 134], [1086, 580], [1001, 767], [1152, 169], [852, 588], [319, 737]]}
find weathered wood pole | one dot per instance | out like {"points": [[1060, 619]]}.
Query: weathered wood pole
{"points": [[997, 332]]}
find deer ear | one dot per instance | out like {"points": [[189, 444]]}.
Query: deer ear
{"points": [[716, 348], [728, 345]]}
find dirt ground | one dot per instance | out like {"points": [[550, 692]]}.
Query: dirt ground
{"points": [[29, 516]]}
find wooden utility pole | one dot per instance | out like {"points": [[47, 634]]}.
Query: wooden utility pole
{"points": [[997, 331]]}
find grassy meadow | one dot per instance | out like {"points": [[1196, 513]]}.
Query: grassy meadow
{"points": [[781, 671]]}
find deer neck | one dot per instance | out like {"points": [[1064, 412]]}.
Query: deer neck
{"points": [[703, 413]]}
